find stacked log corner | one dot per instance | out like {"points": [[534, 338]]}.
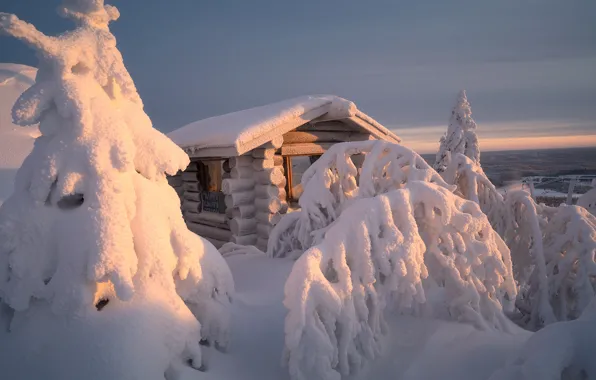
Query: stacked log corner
{"points": [[240, 196], [269, 191]]}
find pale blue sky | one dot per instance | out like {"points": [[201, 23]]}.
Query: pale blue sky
{"points": [[529, 65]]}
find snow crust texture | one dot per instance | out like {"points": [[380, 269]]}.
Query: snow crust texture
{"points": [[93, 226]]}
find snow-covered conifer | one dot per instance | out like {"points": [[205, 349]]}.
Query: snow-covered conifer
{"points": [[460, 136], [393, 251], [552, 248], [93, 240]]}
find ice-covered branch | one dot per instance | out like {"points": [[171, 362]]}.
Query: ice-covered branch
{"points": [[13, 26], [333, 182]]}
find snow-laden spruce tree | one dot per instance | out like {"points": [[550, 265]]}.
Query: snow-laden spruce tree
{"points": [[553, 248], [393, 237], [96, 262], [460, 136]]}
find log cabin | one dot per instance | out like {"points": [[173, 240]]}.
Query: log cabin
{"points": [[246, 166]]}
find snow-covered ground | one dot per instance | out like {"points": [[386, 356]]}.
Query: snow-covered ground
{"points": [[15, 142], [415, 348]]}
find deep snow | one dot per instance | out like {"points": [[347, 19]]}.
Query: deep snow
{"points": [[415, 348]]}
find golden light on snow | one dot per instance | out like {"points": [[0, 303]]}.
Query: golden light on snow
{"points": [[506, 136]]}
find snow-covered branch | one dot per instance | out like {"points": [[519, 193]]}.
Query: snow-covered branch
{"points": [[391, 250], [334, 182], [552, 247]]}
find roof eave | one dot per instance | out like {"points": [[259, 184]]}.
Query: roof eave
{"points": [[378, 133]]}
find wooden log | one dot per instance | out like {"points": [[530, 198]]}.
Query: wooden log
{"points": [[245, 240], [242, 172], [268, 218], [270, 205], [260, 164], [329, 126], [192, 196], [190, 176], [276, 143], [270, 191], [229, 212], [209, 218], [273, 176], [240, 161], [239, 199], [216, 243], [191, 206], [301, 137], [209, 231], [245, 211], [195, 218], [192, 167], [263, 153], [284, 207], [264, 230], [262, 244], [305, 149], [225, 175], [278, 160], [235, 185], [226, 166], [191, 186], [241, 227]]}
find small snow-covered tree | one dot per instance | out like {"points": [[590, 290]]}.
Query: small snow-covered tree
{"points": [[93, 233], [391, 251], [460, 136], [552, 247], [333, 183]]}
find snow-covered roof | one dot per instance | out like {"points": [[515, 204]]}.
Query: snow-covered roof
{"points": [[239, 132]]}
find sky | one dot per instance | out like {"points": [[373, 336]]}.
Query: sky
{"points": [[529, 66]]}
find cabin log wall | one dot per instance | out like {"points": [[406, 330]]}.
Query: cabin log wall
{"points": [[240, 196], [270, 195], [254, 185]]}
